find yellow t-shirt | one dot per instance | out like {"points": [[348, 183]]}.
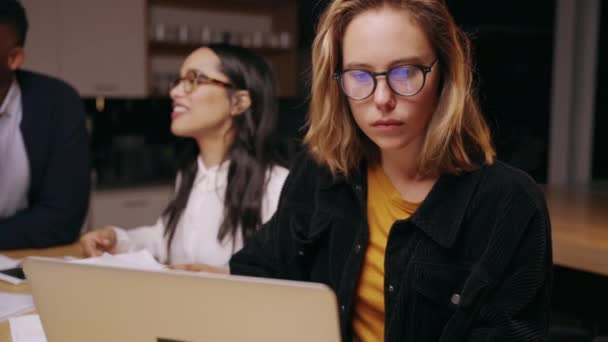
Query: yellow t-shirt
{"points": [[384, 207]]}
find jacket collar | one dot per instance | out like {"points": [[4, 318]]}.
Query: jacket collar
{"points": [[357, 178], [439, 216]]}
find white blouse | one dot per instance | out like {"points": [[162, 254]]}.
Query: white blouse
{"points": [[195, 240]]}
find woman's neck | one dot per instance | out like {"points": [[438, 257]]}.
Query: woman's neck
{"points": [[402, 167], [213, 149]]}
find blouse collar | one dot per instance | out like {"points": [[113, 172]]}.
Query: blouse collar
{"points": [[214, 176]]}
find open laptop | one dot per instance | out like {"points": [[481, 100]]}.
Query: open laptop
{"points": [[94, 303]]}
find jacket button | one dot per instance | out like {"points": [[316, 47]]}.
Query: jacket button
{"points": [[342, 308], [358, 188], [357, 249], [391, 288], [301, 252], [455, 299]]}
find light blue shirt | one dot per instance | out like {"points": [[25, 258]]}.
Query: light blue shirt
{"points": [[14, 166]]}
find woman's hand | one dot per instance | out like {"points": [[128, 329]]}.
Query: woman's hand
{"points": [[98, 241], [199, 268]]}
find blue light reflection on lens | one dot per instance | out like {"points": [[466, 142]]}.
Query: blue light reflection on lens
{"points": [[361, 76], [401, 74]]}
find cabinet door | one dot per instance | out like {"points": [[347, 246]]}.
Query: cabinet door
{"points": [[129, 208], [103, 50], [44, 37]]}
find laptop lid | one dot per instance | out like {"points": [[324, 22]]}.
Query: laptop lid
{"points": [[79, 302]]}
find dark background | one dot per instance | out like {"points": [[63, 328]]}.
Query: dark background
{"points": [[600, 141]]}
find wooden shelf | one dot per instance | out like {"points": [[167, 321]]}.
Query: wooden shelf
{"points": [[251, 6], [181, 50], [283, 17]]}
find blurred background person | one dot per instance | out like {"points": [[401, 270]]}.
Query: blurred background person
{"points": [[229, 182], [44, 148]]}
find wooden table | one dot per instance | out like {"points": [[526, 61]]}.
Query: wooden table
{"points": [[579, 219], [69, 250]]}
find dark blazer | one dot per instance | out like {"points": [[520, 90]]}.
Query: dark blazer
{"points": [[57, 146], [472, 264]]}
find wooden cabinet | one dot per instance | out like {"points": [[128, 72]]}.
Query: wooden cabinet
{"points": [[177, 27], [99, 47], [128, 208]]}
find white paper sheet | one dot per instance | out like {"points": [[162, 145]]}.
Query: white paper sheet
{"points": [[141, 260], [13, 304], [27, 329], [11, 280], [6, 262]]}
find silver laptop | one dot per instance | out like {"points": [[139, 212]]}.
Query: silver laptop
{"points": [[79, 302]]}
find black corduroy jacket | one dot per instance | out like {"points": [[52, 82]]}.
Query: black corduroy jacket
{"points": [[473, 263]]}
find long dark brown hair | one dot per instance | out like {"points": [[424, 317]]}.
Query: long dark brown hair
{"points": [[251, 154]]}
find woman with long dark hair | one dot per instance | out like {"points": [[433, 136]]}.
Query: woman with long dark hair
{"points": [[229, 181]]}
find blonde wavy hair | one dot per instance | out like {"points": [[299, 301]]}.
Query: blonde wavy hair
{"points": [[457, 138]]}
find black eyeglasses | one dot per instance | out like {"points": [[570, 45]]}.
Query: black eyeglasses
{"points": [[404, 80], [193, 79]]}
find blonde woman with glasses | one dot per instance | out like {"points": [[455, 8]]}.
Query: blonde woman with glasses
{"points": [[399, 204]]}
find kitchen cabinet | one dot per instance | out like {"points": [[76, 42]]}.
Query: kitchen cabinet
{"points": [[43, 43], [99, 47], [117, 48], [128, 207]]}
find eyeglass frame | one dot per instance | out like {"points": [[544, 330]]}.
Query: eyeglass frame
{"points": [[424, 68], [199, 79]]}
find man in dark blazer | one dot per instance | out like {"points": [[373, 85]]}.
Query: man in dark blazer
{"points": [[44, 148]]}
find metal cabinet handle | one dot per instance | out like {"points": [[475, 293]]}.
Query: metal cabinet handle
{"points": [[106, 87], [135, 203]]}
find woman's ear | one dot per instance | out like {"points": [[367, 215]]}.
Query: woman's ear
{"points": [[241, 102]]}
